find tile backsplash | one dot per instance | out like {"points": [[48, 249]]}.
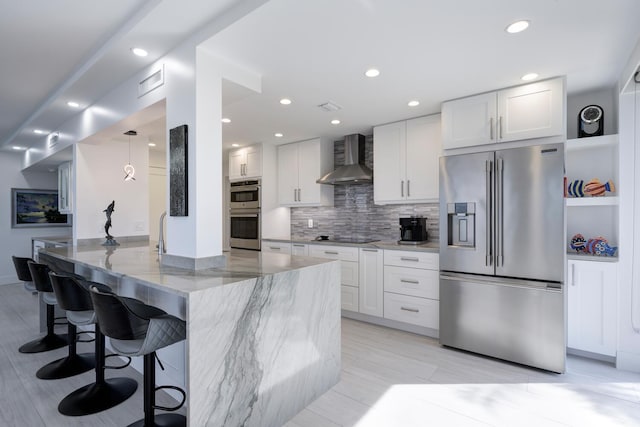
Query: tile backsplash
{"points": [[354, 215]]}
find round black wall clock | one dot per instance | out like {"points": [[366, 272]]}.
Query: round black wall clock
{"points": [[590, 121]]}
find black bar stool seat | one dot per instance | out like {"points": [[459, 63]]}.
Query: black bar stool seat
{"points": [[74, 296], [50, 341], [137, 329]]}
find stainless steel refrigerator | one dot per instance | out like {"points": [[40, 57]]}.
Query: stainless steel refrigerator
{"points": [[502, 249]]}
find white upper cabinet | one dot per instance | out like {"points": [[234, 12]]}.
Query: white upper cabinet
{"points": [[65, 192], [405, 156], [245, 163], [534, 110], [299, 166], [469, 121]]}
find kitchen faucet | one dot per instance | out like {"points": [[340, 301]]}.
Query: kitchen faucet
{"points": [[161, 247]]}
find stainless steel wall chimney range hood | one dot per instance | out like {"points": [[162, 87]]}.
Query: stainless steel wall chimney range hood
{"points": [[354, 170]]}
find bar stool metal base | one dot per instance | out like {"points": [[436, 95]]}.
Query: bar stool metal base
{"points": [[46, 343], [67, 366], [98, 396], [164, 420]]}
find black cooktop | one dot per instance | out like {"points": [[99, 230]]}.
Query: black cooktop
{"points": [[353, 240]]}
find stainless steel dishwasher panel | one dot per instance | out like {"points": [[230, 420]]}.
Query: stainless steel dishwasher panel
{"points": [[515, 320]]}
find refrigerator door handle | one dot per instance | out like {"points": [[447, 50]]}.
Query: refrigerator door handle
{"points": [[488, 254], [499, 214], [513, 283]]}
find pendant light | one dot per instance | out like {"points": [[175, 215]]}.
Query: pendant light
{"points": [[129, 170]]}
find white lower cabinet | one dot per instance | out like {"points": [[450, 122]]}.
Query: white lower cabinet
{"points": [[592, 308], [348, 257], [371, 277], [417, 311], [411, 288], [349, 298], [299, 249], [279, 247]]}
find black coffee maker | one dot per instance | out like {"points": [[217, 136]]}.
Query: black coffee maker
{"points": [[413, 230]]}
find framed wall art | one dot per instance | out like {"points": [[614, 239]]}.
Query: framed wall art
{"points": [[178, 171], [36, 208]]}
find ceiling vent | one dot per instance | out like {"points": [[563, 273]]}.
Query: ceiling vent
{"points": [[329, 107]]}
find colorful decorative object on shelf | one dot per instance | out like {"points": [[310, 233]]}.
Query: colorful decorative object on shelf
{"points": [[595, 246], [577, 243], [578, 188]]}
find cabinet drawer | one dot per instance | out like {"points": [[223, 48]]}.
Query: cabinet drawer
{"points": [[349, 298], [414, 310], [412, 259], [284, 248], [412, 281], [343, 253]]}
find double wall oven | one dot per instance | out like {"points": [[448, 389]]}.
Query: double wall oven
{"points": [[244, 214]]}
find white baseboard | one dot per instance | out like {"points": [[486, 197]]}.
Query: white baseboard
{"points": [[8, 280], [628, 361]]}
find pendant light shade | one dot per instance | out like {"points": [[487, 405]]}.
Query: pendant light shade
{"points": [[129, 170]]}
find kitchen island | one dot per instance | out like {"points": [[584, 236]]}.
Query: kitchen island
{"points": [[263, 332]]}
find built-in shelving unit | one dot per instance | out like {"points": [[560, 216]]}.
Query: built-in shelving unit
{"points": [[588, 158]]}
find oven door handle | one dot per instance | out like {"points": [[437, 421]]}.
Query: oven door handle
{"points": [[244, 215]]}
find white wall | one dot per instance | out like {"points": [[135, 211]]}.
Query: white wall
{"points": [[17, 241], [99, 179], [157, 192], [628, 357]]}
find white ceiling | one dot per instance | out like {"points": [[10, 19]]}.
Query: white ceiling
{"points": [[311, 51]]}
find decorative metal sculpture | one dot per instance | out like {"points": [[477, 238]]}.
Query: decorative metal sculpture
{"points": [[107, 225]]}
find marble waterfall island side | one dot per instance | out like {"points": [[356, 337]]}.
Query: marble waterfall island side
{"points": [[263, 332]]}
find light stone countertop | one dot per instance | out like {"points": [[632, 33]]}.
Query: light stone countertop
{"points": [[140, 262], [433, 247]]}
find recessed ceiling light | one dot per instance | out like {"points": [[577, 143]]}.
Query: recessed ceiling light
{"points": [[285, 101], [278, 135], [517, 26], [413, 103], [38, 131], [235, 145], [335, 122], [372, 72], [529, 76], [15, 147], [226, 120], [73, 104], [139, 51], [151, 144]]}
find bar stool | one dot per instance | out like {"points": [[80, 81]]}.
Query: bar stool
{"points": [[73, 363], [50, 341], [102, 394], [137, 329]]}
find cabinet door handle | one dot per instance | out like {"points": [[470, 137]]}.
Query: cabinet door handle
{"points": [[406, 258], [408, 188], [295, 195], [275, 248], [298, 246], [573, 274], [491, 128], [331, 253], [500, 126], [401, 188], [413, 310], [299, 195], [413, 282], [369, 250]]}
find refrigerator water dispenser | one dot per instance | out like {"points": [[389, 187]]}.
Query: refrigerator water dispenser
{"points": [[461, 224]]}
